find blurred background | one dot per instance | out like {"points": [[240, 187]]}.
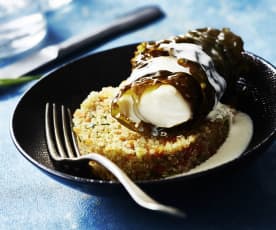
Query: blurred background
{"points": [[31, 200], [253, 20]]}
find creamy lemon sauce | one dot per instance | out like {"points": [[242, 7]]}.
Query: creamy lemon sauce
{"points": [[240, 134]]}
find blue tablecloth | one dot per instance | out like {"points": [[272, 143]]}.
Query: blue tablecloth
{"points": [[31, 200]]}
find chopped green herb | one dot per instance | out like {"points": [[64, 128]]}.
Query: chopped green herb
{"points": [[8, 82], [105, 124]]}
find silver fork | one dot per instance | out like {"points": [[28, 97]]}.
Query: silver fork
{"points": [[63, 147]]}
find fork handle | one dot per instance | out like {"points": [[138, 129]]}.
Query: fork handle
{"points": [[139, 196]]}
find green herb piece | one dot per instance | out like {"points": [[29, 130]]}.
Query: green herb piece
{"points": [[8, 82]]}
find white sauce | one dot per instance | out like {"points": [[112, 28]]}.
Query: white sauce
{"points": [[240, 134]]}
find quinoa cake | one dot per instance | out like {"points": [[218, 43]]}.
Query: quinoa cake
{"points": [[145, 157]]}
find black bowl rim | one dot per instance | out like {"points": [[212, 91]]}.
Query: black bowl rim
{"points": [[91, 181]]}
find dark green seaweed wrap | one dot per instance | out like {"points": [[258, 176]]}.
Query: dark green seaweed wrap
{"points": [[202, 86]]}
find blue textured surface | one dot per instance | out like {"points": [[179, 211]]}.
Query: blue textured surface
{"points": [[31, 200]]}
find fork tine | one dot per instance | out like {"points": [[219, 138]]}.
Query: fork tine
{"points": [[49, 135], [76, 148], [57, 133], [67, 131]]}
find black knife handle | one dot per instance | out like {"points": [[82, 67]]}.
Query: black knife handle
{"points": [[131, 21]]}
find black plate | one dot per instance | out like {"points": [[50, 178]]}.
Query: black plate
{"points": [[70, 84]]}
